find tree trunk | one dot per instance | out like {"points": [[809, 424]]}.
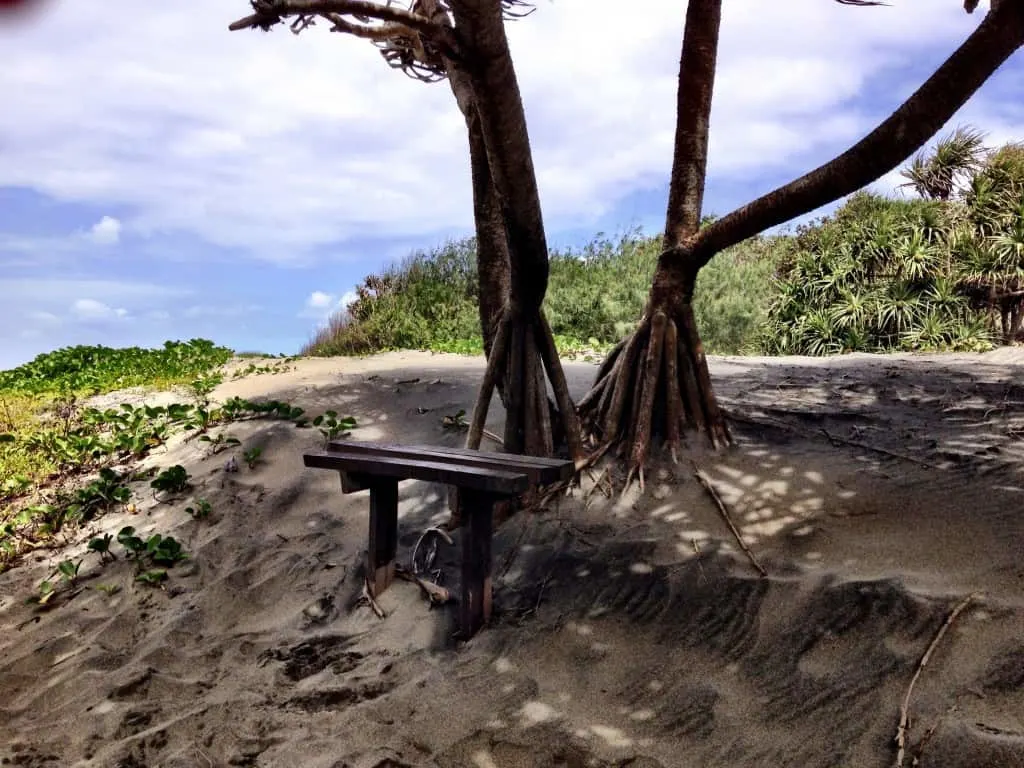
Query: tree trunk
{"points": [[656, 383], [519, 344], [492, 257], [485, 57], [512, 262]]}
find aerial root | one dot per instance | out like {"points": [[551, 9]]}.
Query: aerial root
{"points": [[654, 382]]}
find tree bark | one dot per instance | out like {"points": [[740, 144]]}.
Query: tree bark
{"points": [[504, 179], [492, 256]]}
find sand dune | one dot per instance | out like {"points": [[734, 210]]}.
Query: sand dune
{"points": [[876, 491]]}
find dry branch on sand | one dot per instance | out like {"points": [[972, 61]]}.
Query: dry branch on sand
{"points": [[904, 724], [724, 511]]}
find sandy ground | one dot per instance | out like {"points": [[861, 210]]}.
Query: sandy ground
{"points": [[876, 491]]}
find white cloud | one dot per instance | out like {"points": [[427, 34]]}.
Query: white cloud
{"points": [[220, 310], [347, 298], [319, 300], [303, 140], [320, 305], [91, 309], [63, 291], [43, 318], [106, 231]]}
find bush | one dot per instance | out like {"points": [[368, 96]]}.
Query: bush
{"points": [[595, 296]]}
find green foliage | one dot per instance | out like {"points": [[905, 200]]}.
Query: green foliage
{"points": [[595, 296], [171, 480], [252, 369], [201, 510], [75, 442], [331, 427], [156, 550], [252, 456], [931, 273], [101, 545], [220, 442], [92, 370], [455, 422]]}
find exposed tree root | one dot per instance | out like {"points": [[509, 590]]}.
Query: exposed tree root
{"points": [[524, 358], [654, 384]]}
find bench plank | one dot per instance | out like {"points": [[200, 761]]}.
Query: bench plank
{"points": [[504, 482], [541, 470]]}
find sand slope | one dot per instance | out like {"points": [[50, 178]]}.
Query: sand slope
{"points": [[629, 631]]}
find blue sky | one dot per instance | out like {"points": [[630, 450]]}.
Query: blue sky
{"points": [[162, 178]]}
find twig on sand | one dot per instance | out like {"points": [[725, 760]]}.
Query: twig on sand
{"points": [[490, 435], [696, 551], [901, 729], [435, 593], [724, 510], [369, 600], [768, 421]]}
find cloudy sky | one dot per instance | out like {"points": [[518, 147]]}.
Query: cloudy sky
{"points": [[162, 178]]}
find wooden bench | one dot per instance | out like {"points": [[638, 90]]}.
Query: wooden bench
{"points": [[482, 479]]}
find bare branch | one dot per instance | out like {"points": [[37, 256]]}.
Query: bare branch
{"points": [[271, 12], [693, 110], [919, 118]]}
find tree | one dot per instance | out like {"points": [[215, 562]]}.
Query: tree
{"points": [[464, 41], [656, 381]]}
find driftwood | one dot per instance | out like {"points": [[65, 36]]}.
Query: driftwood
{"points": [[367, 597], [724, 510], [768, 421], [901, 729], [435, 593]]}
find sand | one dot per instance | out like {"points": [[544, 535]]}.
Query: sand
{"points": [[877, 492]]}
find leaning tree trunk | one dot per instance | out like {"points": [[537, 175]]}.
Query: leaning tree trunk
{"points": [[492, 257]]}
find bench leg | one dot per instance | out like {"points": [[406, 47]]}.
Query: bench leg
{"points": [[380, 565], [475, 605]]}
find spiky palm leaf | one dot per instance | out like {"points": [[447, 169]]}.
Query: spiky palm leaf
{"points": [[935, 176]]}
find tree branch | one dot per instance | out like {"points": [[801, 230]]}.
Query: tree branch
{"points": [[693, 110], [919, 118], [271, 12]]}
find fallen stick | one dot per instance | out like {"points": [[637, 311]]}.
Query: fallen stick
{"points": [[488, 434], [435, 593], [724, 510], [768, 421], [901, 729], [368, 599]]}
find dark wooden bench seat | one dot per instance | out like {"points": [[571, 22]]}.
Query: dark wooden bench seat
{"points": [[483, 479]]}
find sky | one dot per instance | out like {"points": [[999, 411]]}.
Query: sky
{"points": [[163, 178]]}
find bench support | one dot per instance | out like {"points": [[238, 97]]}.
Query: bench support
{"points": [[475, 605], [380, 563]]}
